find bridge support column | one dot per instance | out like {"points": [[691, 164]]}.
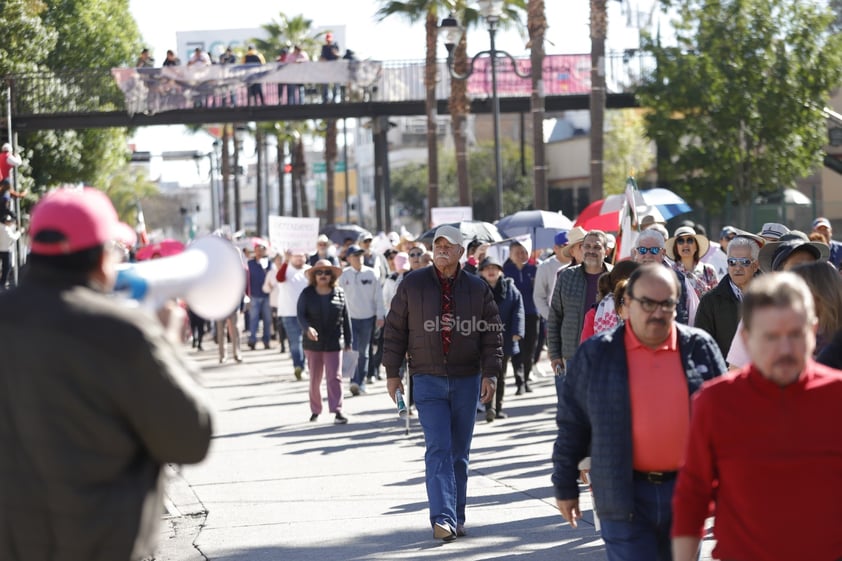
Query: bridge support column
{"points": [[382, 195]]}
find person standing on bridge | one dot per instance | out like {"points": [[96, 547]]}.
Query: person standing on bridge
{"points": [[255, 91]]}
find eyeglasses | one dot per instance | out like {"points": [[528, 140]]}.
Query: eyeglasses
{"points": [[645, 250], [744, 261], [688, 239], [323, 273], [416, 253], [650, 306]]}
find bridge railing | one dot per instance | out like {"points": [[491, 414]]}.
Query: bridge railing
{"points": [[95, 90]]}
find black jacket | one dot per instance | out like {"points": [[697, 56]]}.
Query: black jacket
{"points": [[328, 315], [719, 314]]}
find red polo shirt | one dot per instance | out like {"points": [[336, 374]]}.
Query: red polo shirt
{"points": [[660, 403]]}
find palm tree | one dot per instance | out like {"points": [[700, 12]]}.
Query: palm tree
{"points": [[284, 33], [459, 104], [331, 151], [414, 11], [536, 23], [599, 27]]}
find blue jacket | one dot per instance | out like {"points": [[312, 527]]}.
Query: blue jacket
{"points": [[594, 415], [510, 305], [525, 282]]}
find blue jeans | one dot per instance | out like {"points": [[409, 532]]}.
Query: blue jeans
{"points": [[647, 536], [260, 309], [294, 334], [361, 330], [447, 410]]}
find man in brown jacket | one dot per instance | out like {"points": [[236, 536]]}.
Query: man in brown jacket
{"points": [[94, 399], [445, 323]]}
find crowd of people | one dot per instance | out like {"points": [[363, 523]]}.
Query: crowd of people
{"points": [[288, 94], [648, 414]]}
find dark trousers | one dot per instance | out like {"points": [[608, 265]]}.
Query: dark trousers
{"points": [[376, 353], [524, 359], [497, 404], [6, 262], [255, 91]]}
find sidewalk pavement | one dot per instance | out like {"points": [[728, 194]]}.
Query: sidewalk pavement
{"points": [[278, 487]]}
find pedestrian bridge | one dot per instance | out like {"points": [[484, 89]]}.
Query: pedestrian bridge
{"points": [[135, 97]]}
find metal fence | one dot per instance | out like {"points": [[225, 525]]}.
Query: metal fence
{"points": [[94, 90]]}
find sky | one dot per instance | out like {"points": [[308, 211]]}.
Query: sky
{"points": [[393, 39]]}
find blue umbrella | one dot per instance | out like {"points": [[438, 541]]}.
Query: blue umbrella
{"points": [[542, 225], [667, 202]]}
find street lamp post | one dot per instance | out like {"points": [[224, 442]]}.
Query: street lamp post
{"points": [[452, 32]]}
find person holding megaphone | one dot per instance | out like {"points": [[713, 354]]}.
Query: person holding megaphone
{"points": [[95, 400]]}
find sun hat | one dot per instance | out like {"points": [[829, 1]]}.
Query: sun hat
{"points": [[773, 255], [773, 231], [83, 218], [701, 241], [323, 264], [574, 237]]}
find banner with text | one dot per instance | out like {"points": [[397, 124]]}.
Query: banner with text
{"points": [[287, 233], [447, 214]]}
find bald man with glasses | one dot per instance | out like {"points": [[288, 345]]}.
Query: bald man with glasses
{"points": [[625, 402]]}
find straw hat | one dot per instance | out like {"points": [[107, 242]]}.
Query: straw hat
{"points": [[323, 264], [574, 237], [701, 241]]}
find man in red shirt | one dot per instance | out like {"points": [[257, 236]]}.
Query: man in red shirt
{"points": [[625, 401], [766, 442]]}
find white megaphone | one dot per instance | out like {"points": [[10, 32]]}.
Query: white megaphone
{"points": [[209, 276]]}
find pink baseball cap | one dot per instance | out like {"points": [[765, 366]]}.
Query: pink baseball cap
{"points": [[85, 217]]}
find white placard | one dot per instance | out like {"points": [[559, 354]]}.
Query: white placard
{"points": [[447, 214], [293, 234]]}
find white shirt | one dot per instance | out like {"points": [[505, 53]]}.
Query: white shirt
{"points": [[8, 236], [289, 290], [363, 293], [545, 277]]}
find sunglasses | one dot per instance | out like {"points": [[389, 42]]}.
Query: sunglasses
{"points": [[687, 240], [416, 253], [645, 250], [323, 273], [744, 261]]}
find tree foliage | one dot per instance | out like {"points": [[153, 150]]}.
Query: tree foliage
{"points": [[627, 150], [61, 36], [408, 184], [735, 104]]}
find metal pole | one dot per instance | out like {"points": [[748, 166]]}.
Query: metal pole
{"points": [[347, 171], [13, 184], [214, 199], [495, 105]]}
